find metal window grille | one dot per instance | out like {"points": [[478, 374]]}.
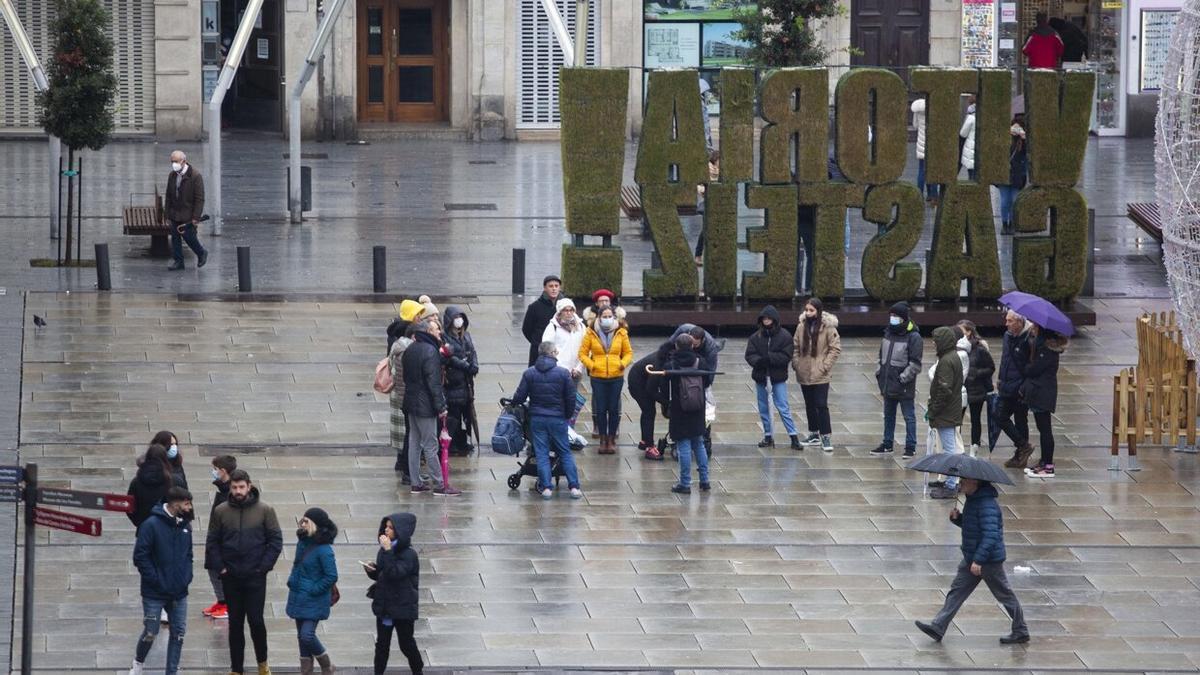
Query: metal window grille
{"points": [[541, 58]]}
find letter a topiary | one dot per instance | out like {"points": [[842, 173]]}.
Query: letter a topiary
{"points": [[671, 151], [593, 103], [943, 118], [964, 222], [802, 130], [777, 242], [1054, 267], [896, 240], [1059, 109], [586, 268], [737, 126], [890, 132], [677, 278], [720, 240]]}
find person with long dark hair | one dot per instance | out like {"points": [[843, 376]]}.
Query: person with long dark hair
{"points": [[171, 443], [980, 367], [1040, 392], [817, 347], [150, 485], [1018, 169]]}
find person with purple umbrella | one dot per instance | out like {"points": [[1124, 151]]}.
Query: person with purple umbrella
{"points": [[1040, 391]]}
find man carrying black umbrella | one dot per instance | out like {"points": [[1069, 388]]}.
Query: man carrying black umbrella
{"points": [[983, 552]]}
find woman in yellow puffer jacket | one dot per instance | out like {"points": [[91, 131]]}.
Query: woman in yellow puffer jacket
{"points": [[606, 353]]}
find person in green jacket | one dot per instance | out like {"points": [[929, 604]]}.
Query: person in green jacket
{"points": [[945, 410]]}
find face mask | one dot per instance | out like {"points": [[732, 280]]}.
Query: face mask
{"points": [[186, 516], [608, 323], [963, 344], [458, 322], [216, 474], [176, 167], [173, 452], [301, 533], [894, 320]]}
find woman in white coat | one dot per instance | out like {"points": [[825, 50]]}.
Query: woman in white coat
{"points": [[566, 331], [967, 133]]}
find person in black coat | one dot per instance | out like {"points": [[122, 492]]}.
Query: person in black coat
{"points": [[539, 314], [461, 368], [149, 487], [550, 390], [425, 403], [978, 380], [1040, 392], [163, 557], [1075, 41], [168, 441], [1018, 170], [394, 595], [643, 390], [769, 353], [686, 426], [1012, 415]]}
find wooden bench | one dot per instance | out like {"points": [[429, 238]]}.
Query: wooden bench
{"points": [[631, 204], [148, 220], [1145, 215]]}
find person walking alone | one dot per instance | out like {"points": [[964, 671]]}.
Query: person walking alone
{"points": [[896, 375], [1012, 415], [978, 380], [183, 208], [817, 347], [539, 314], [945, 410], [425, 403], [550, 391], [244, 542], [1040, 392], [606, 353], [310, 586], [163, 558], [396, 572], [982, 524], [461, 368], [769, 352]]}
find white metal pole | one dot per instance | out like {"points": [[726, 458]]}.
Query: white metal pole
{"points": [[324, 32], [559, 27], [581, 33], [213, 118], [41, 84]]}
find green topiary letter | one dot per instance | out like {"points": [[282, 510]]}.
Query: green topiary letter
{"points": [[943, 118], [829, 263], [671, 151], [993, 118], [1059, 109], [677, 278], [720, 240], [586, 268], [884, 162], [964, 222], [737, 126], [593, 103], [777, 241], [1054, 267], [896, 240], [801, 129]]}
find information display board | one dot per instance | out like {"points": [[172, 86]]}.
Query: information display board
{"points": [[1157, 25], [978, 33]]}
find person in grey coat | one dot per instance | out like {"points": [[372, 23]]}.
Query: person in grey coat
{"points": [[899, 364]]}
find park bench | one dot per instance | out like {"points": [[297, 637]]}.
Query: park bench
{"points": [[1145, 215], [631, 204], [148, 220]]}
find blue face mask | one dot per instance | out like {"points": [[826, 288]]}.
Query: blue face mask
{"points": [[894, 320], [173, 452]]}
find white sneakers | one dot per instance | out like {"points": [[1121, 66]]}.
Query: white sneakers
{"points": [[136, 669], [547, 493], [576, 493]]}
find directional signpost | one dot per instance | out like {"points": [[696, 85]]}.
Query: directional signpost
{"points": [[85, 500], [70, 522], [11, 475], [10, 493]]}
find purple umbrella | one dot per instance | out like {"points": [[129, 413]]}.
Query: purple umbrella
{"points": [[1038, 310]]}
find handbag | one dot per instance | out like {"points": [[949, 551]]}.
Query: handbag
{"points": [[383, 376], [334, 594]]}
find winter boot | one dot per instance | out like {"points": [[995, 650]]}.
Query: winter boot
{"points": [[264, 668], [974, 449], [306, 665], [326, 663], [796, 442], [1133, 463], [1114, 463], [766, 442]]}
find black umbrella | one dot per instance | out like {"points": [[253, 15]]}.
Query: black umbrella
{"points": [[962, 466], [993, 421]]}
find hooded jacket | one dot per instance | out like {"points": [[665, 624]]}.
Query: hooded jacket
{"points": [[899, 361], [148, 488], [463, 364], [606, 364], [220, 497], [243, 539], [982, 526], [918, 111], [568, 342], [1044, 48], [397, 572], [1040, 388], [979, 373], [945, 392], [817, 369], [967, 133], [424, 395], [769, 350], [549, 389], [538, 315], [163, 555], [682, 424], [314, 572], [1014, 356]]}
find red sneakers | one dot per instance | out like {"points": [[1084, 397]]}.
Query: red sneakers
{"points": [[218, 611], [653, 454]]}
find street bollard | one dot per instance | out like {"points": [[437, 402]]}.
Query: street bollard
{"points": [[103, 277], [518, 271], [244, 285], [379, 253]]}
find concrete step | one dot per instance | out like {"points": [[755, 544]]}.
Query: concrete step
{"points": [[410, 131]]}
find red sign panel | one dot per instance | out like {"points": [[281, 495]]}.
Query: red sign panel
{"points": [[85, 500], [66, 521]]}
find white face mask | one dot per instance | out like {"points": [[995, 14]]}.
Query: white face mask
{"points": [[894, 320], [176, 167], [963, 344], [173, 452], [216, 474], [608, 323], [458, 322]]}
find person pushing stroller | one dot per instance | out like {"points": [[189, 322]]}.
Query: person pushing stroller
{"points": [[550, 390]]}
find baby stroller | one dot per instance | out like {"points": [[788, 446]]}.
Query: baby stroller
{"points": [[667, 444], [528, 467]]}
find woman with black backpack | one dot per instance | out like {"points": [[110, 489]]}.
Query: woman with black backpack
{"points": [[683, 394]]}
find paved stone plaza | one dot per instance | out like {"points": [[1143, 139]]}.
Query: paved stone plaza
{"points": [[796, 561]]}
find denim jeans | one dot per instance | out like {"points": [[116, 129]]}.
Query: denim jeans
{"points": [[606, 404], [547, 430], [779, 394], [1008, 194], [189, 236], [687, 446], [152, 609], [306, 635], [889, 421], [931, 190], [948, 439]]}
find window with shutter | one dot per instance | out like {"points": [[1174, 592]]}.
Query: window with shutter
{"points": [[541, 58], [132, 30]]}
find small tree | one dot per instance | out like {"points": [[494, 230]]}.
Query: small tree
{"points": [[77, 108], [781, 32]]}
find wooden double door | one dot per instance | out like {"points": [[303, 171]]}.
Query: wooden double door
{"points": [[403, 60], [890, 34]]}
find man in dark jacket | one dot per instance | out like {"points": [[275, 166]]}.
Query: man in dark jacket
{"points": [[1044, 48], [1012, 415], [550, 390], [461, 368], [1075, 41], [425, 403], [222, 467], [769, 353], [539, 314], [945, 402], [394, 595], [983, 552], [899, 365], [184, 206], [163, 557], [686, 426], [244, 542]]}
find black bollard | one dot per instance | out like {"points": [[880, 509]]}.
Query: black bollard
{"points": [[518, 271], [103, 277], [379, 253], [244, 285]]}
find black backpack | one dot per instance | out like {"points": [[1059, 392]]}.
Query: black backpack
{"points": [[691, 392]]}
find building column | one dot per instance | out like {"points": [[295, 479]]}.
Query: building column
{"points": [[177, 82]]}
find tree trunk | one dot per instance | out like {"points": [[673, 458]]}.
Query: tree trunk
{"points": [[70, 201]]}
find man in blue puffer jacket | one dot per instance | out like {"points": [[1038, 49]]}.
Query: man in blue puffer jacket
{"points": [[550, 390], [983, 559], [163, 557]]}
